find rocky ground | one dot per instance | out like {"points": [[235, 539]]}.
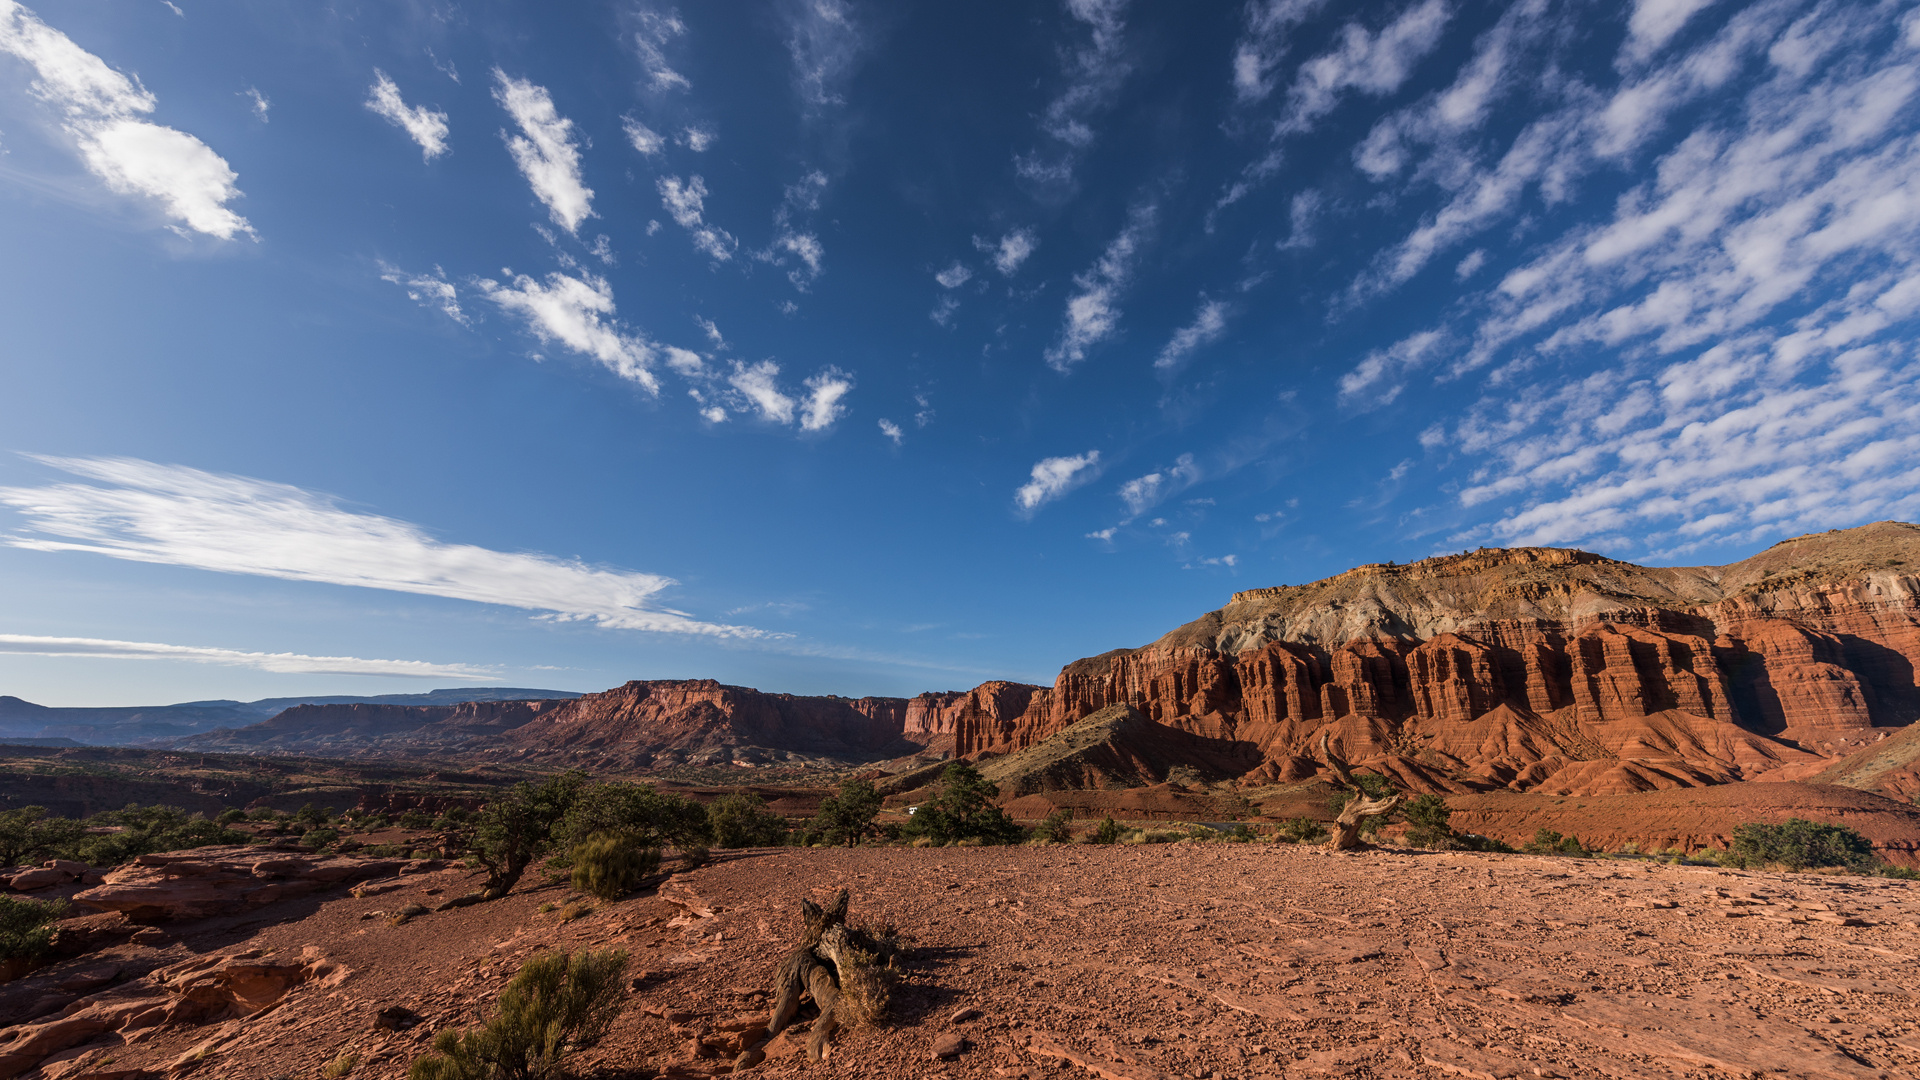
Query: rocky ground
{"points": [[1128, 963]]}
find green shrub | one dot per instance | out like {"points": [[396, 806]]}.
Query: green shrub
{"points": [[847, 818], [1547, 842], [964, 810], [611, 866], [1302, 830], [29, 836], [556, 1004], [230, 815], [313, 816], [415, 819], [741, 819], [1055, 827], [650, 817], [25, 930], [1428, 822], [1107, 832], [519, 827], [319, 838], [1798, 844]]}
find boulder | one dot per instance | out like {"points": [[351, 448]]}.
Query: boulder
{"points": [[219, 881], [42, 878]]}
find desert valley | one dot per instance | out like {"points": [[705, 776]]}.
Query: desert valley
{"points": [[1567, 772]]}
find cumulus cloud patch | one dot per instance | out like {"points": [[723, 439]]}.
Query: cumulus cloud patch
{"points": [[428, 290], [101, 110], [1209, 322], [426, 127], [544, 151], [169, 514], [1053, 477], [279, 663], [686, 201], [577, 311], [1010, 250], [1093, 312]]}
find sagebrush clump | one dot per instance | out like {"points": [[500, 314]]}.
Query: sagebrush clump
{"points": [[557, 1004]]}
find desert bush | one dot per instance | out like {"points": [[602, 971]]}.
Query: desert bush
{"points": [[340, 1066], [1799, 844], [847, 818], [1055, 827], [1547, 842], [964, 810], [1428, 825], [741, 819], [694, 857], [650, 817], [28, 835], [610, 866], [1238, 834], [558, 1003], [415, 819], [517, 828], [230, 815], [25, 930], [319, 838], [313, 816], [1301, 830], [575, 911]]}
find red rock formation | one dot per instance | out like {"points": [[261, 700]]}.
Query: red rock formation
{"points": [[1535, 668], [663, 722]]}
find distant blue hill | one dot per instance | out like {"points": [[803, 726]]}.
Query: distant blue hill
{"points": [[132, 725]]}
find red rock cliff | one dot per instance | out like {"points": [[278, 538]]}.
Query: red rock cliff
{"points": [[1534, 668]]}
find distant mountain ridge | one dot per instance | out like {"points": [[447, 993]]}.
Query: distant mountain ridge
{"points": [[131, 725]]}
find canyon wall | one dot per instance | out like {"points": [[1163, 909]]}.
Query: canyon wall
{"points": [[1533, 668]]}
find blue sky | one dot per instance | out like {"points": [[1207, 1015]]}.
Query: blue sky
{"points": [[845, 347]]}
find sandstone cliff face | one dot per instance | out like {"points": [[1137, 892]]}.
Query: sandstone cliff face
{"points": [[364, 728], [1533, 668], [700, 721]]}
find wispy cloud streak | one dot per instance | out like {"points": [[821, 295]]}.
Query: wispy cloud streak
{"points": [[279, 663], [168, 514]]}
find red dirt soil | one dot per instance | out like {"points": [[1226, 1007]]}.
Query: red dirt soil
{"points": [[1131, 963]]}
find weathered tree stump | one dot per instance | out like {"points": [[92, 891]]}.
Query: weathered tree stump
{"points": [[846, 972], [1346, 828]]}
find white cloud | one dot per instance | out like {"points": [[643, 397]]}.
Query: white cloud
{"points": [[760, 384], [823, 404], [578, 313], [824, 42], [1301, 214], [258, 102], [101, 110], [685, 200], [1209, 322], [655, 30], [1091, 312], [427, 290], [698, 139], [1653, 24], [1726, 354], [1264, 44], [280, 663], [685, 361], [712, 330], [642, 137], [954, 276], [1365, 61], [1010, 251], [1143, 493], [1375, 381], [1105, 535], [1470, 265], [943, 311], [891, 430], [544, 150], [172, 515], [427, 127], [1095, 71], [1055, 476]]}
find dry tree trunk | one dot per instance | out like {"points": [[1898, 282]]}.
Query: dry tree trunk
{"points": [[1346, 827], [801, 975]]}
